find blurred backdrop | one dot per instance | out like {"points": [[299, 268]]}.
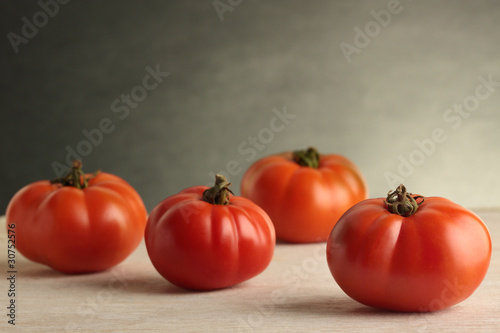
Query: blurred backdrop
{"points": [[165, 94]]}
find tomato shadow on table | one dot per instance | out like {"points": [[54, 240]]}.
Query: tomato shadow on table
{"points": [[152, 285], [32, 270], [340, 307], [158, 285], [120, 279], [40, 272], [149, 282], [321, 305], [117, 279]]}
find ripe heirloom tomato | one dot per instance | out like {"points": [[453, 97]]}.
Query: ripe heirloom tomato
{"points": [[78, 224], [401, 255], [202, 238], [304, 192]]}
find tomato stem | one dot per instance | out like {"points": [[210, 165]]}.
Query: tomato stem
{"points": [[219, 193], [308, 158], [75, 177], [402, 203]]}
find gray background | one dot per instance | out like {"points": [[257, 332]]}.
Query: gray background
{"points": [[227, 76]]}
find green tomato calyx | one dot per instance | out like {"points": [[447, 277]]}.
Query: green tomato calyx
{"points": [[75, 177], [219, 193], [402, 203], [307, 158]]}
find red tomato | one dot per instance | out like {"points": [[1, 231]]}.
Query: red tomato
{"points": [[204, 239], [77, 227], [398, 255], [304, 192]]}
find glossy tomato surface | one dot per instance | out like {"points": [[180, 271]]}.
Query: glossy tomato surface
{"points": [[198, 245], [303, 202], [77, 230], [428, 261]]}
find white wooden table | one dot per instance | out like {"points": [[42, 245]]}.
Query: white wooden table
{"points": [[296, 293]]}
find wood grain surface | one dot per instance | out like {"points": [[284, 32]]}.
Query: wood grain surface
{"points": [[295, 294]]}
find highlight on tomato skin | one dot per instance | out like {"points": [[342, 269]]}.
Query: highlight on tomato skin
{"points": [[207, 238], [304, 192], [409, 253], [80, 223]]}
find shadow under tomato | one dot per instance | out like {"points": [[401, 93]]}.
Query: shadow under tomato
{"points": [[343, 306], [123, 278], [33, 270], [155, 284], [135, 280], [149, 284], [40, 272], [320, 305]]}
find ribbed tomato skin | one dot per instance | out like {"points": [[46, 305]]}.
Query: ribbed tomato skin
{"points": [[304, 203], [428, 261], [202, 246], [78, 230]]}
